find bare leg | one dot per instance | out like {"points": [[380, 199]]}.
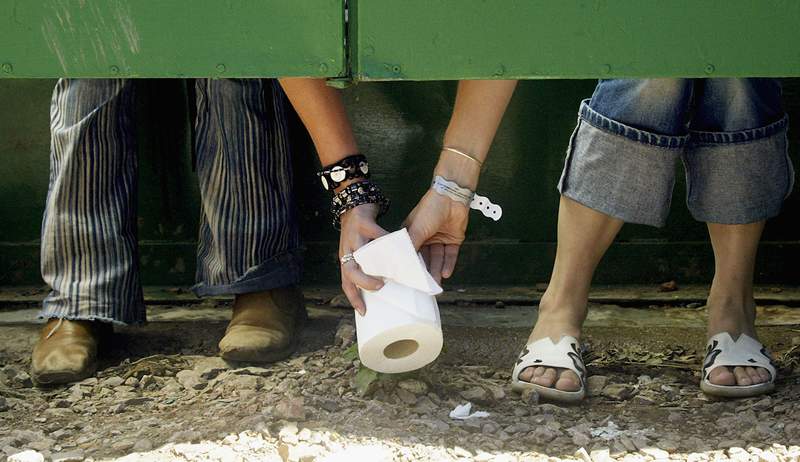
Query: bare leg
{"points": [[584, 235], [731, 306]]}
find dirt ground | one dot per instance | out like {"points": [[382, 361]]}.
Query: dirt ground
{"points": [[162, 394]]}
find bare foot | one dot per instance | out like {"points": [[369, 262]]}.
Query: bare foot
{"points": [[555, 323], [735, 319]]}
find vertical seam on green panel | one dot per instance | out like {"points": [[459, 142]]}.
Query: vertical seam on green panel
{"points": [[351, 36]]}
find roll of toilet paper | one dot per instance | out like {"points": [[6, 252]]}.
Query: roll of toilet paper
{"points": [[402, 330]]}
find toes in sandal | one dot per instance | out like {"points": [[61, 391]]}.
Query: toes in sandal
{"points": [[545, 353], [723, 351]]}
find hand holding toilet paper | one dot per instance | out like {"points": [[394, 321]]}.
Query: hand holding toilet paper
{"points": [[401, 330]]}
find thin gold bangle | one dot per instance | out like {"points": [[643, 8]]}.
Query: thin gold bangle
{"points": [[456, 151]]}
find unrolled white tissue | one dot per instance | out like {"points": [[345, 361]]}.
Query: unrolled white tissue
{"points": [[401, 330]]}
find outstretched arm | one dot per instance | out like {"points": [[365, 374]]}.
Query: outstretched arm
{"points": [[321, 109], [438, 224]]}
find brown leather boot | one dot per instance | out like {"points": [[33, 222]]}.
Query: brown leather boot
{"points": [[66, 351], [265, 326]]}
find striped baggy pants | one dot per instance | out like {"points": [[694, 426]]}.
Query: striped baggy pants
{"points": [[249, 239]]}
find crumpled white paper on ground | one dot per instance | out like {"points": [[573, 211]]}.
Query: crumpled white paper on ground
{"points": [[462, 412]]}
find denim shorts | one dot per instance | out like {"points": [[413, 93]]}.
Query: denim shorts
{"points": [[729, 133]]}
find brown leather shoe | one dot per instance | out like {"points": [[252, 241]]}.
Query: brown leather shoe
{"points": [[265, 326], [66, 351]]}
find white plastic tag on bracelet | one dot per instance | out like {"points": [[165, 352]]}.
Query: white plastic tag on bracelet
{"points": [[486, 207]]}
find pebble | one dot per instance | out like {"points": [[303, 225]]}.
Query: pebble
{"points": [[21, 380], [345, 334], [41, 445], [530, 397], [581, 439], [123, 446], [406, 396], [602, 454], [490, 428], [26, 456], [655, 453], [190, 380], [142, 445], [340, 301], [185, 436], [595, 384], [417, 387], [519, 427], [288, 434], [291, 409], [476, 395], [244, 382], [112, 382], [618, 391], [583, 455], [210, 367], [4, 406], [544, 435], [76, 455]]}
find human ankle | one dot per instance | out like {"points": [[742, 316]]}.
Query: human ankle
{"points": [[567, 309], [732, 314]]}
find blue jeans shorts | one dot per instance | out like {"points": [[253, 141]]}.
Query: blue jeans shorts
{"points": [[729, 133]]}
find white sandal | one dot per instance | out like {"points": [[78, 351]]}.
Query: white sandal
{"points": [[723, 351], [545, 353]]}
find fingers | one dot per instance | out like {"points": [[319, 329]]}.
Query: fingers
{"points": [[354, 296], [426, 256], [354, 275], [437, 261], [450, 259], [353, 279], [418, 236]]}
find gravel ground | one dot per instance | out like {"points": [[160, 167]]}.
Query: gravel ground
{"points": [[161, 394]]}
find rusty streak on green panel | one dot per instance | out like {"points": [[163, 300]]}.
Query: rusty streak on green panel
{"points": [[460, 39], [157, 38]]}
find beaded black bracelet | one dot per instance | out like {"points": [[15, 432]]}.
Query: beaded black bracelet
{"points": [[363, 192], [349, 168]]}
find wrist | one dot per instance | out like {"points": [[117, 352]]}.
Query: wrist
{"points": [[460, 170], [347, 183]]}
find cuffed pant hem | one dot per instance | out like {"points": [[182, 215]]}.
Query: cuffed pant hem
{"points": [[280, 271]]}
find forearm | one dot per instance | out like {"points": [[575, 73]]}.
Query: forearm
{"points": [[479, 108], [321, 109]]}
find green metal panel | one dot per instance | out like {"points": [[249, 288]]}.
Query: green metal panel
{"points": [[400, 126], [467, 39], [157, 38]]}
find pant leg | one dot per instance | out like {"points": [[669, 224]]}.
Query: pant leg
{"points": [[623, 155], [249, 238], [737, 164], [89, 251]]}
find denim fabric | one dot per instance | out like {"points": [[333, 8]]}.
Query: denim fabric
{"points": [[729, 133], [249, 239]]}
